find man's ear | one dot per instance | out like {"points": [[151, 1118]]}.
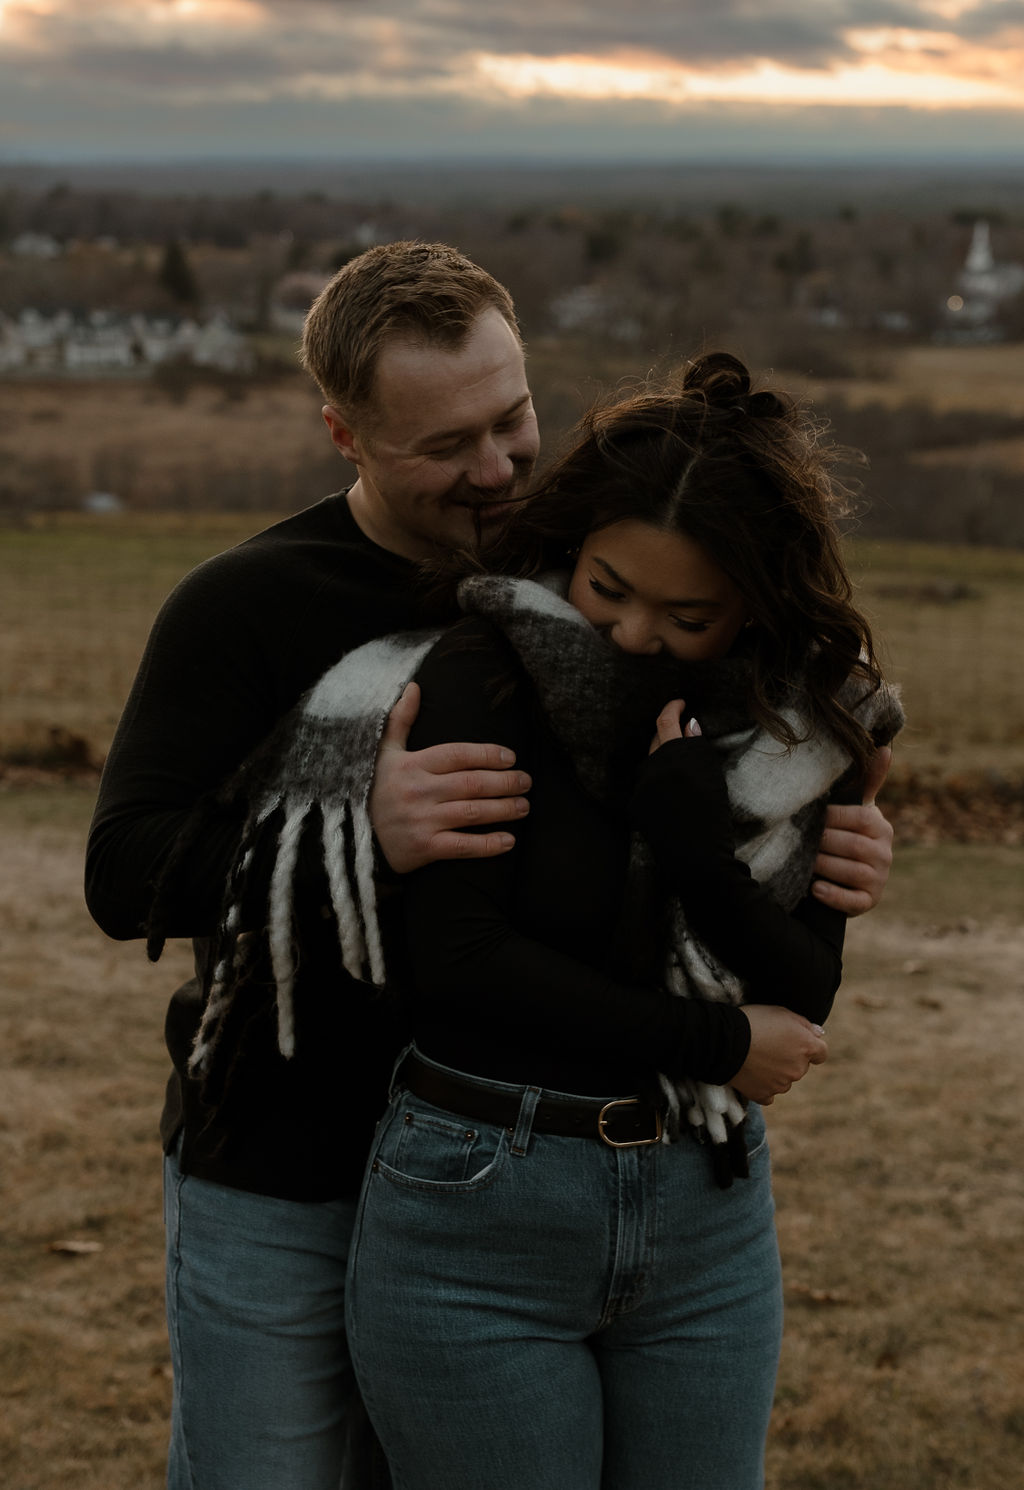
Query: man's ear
{"points": [[343, 436]]}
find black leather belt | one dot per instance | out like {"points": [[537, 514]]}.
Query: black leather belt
{"points": [[624, 1123]]}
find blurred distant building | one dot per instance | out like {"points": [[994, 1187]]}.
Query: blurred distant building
{"points": [[593, 309], [106, 342], [35, 246], [983, 285], [292, 296]]}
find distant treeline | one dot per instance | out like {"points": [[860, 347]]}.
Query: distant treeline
{"points": [[654, 276]]}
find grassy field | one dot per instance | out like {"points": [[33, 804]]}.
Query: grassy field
{"points": [[78, 595], [900, 1199]]}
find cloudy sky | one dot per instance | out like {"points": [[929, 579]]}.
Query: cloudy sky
{"points": [[616, 79]]}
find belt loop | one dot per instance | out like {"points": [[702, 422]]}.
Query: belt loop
{"points": [[527, 1108], [396, 1071]]}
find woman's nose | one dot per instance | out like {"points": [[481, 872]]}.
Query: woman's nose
{"points": [[635, 634]]}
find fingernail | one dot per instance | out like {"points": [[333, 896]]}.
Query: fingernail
{"points": [[507, 758], [693, 727], [818, 1029]]}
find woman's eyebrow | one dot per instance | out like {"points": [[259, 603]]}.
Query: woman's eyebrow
{"points": [[690, 602]]}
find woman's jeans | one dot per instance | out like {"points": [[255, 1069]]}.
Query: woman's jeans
{"points": [[264, 1394], [569, 1317]]}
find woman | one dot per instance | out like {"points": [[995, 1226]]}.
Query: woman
{"points": [[553, 1284]]}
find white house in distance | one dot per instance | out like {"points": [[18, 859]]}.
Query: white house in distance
{"points": [[983, 285], [106, 342]]}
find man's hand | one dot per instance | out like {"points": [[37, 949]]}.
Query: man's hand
{"points": [[855, 854], [424, 801], [783, 1048]]}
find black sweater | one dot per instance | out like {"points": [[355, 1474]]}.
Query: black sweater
{"points": [[237, 643], [520, 965]]}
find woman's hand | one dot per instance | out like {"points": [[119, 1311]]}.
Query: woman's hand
{"points": [[670, 725], [783, 1048], [680, 804]]}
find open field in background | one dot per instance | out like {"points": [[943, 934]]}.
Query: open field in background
{"points": [[900, 1197], [78, 594], [941, 424], [901, 1201]]}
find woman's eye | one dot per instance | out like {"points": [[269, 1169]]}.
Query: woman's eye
{"points": [[604, 592], [695, 626]]}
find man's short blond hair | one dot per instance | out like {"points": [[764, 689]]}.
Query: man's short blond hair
{"points": [[419, 292]]}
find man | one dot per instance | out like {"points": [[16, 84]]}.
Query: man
{"points": [[418, 355]]}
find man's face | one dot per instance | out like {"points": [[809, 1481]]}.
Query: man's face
{"points": [[450, 441]]}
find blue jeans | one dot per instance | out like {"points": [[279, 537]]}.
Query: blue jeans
{"points": [[264, 1393], [572, 1317]]}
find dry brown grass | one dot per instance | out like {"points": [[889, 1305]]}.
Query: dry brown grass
{"points": [[83, 1359], [900, 1197], [983, 378], [127, 436], [78, 595], [901, 1201], [948, 622]]}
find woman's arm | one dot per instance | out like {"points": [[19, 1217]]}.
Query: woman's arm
{"points": [[681, 807]]}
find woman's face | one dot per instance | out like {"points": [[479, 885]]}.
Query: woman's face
{"points": [[650, 591]]}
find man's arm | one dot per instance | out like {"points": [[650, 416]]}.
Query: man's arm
{"points": [[855, 856], [425, 803]]}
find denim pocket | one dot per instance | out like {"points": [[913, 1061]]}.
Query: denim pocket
{"points": [[755, 1132], [425, 1148]]}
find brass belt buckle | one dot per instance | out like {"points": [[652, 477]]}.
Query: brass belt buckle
{"points": [[630, 1143]]}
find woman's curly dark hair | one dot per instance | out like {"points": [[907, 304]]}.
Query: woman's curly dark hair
{"points": [[748, 476]]}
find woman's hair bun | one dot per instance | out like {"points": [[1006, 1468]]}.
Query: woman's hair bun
{"points": [[767, 405], [724, 383], [720, 377]]}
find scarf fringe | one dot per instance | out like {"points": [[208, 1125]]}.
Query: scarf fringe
{"points": [[322, 759]]}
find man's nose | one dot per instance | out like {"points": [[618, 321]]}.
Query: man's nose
{"points": [[634, 633], [493, 468]]}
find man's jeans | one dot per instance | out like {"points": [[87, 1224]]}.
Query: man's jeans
{"points": [[264, 1395], [573, 1317]]}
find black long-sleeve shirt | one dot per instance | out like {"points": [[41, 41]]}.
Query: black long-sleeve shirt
{"points": [[235, 646], [517, 964]]}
